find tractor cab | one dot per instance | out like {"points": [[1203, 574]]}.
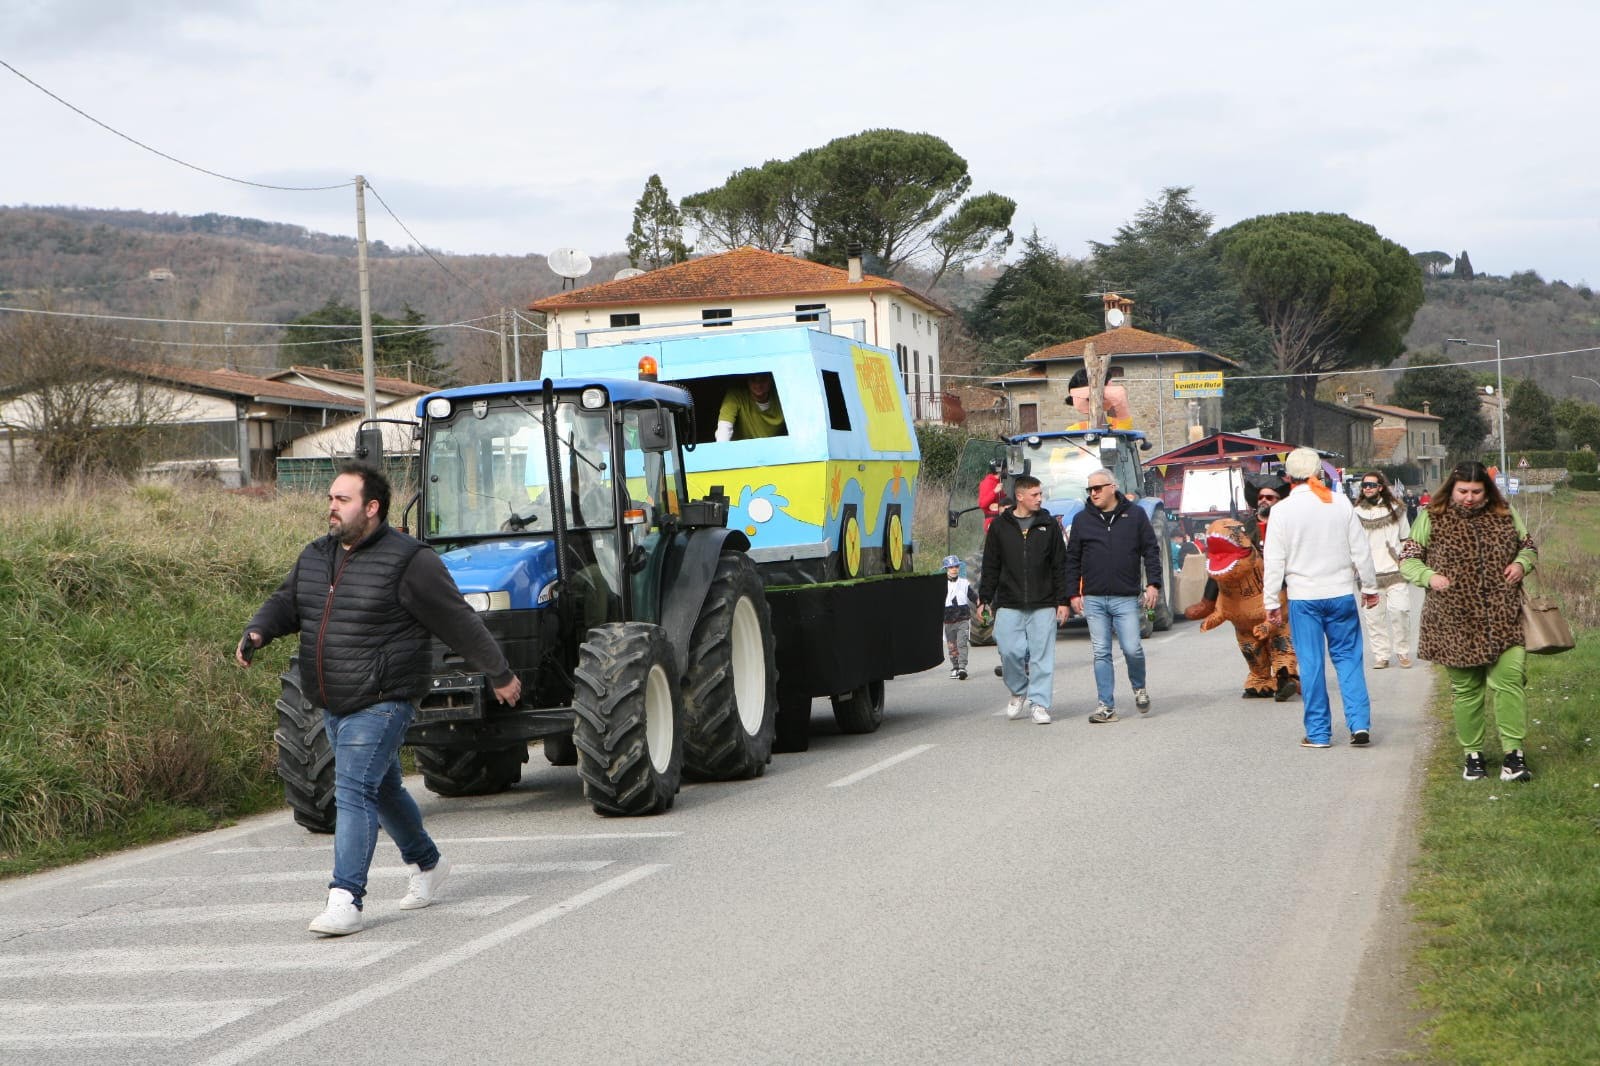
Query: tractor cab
{"points": [[511, 471]]}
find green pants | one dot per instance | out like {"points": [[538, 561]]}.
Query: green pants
{"points": [[1507, 678]]}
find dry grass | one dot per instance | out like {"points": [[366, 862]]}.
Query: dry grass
{"points": [[119, 609]]}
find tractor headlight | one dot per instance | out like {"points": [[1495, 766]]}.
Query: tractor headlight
{"points": [[488, 601], [438, 407]]}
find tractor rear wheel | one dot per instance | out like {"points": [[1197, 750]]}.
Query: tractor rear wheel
{"points": [[860, 711], [730, 692], [470, 772], [305, 758], [628, 720]]}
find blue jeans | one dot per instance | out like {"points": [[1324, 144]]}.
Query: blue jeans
{"points": [[1122, 614], [1334, 624], [367, 793], [1027, 641]]}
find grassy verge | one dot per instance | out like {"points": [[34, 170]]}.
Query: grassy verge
{"points": [[1506, 893], [122, 718]]}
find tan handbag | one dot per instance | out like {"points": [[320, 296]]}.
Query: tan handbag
{"points": [[1544, 631]]}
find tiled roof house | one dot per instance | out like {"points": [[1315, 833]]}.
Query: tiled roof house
{"points": [[225, 420], [751, 287], [1143, 363]]}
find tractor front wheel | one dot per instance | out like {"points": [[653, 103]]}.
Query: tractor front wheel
{"points": [[470, 772]]}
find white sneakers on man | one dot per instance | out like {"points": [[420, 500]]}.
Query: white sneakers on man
{"points": [[1040, 715], [1017, 707], [425, 885], [342, 916]]}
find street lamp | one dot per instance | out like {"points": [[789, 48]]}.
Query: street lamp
{"points": [[1499, 387]]}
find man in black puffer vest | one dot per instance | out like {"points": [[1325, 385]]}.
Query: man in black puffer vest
{"points": [[365, 599]]}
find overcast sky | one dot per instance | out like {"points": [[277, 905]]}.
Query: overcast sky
{"points": [[525, 126]]}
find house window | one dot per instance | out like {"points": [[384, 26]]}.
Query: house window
{"points": [[800, 314], [1027, 418], [916, 321], [838, 410], [719, 316], [631, 318], [897, 312]]}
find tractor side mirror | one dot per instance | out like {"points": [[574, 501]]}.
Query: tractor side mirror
{"points": [[955, 518], [655, 430]]}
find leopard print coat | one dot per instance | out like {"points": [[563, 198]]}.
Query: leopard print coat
{"points": [[1479, 616]]}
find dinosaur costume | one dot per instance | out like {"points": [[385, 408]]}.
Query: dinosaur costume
{"points": [[1234, 563]]}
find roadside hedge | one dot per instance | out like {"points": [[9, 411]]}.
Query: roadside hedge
{"points": [[1577, 462], [1584, 482]]}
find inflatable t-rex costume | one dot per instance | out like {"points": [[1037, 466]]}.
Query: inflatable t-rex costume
{"points": [[1233, 563]]}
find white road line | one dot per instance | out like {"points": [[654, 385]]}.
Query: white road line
{"points": [[237, 913], [255, 958], [276, 877], [845, 782], [532, 839], [422, 971], [48, 1024]]}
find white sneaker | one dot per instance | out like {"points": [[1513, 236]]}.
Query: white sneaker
{"points": [[1040, 715], [1017, 707], [425, 885], [342, 916]]}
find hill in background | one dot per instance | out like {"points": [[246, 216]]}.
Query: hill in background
{"points": [[223, 268]]}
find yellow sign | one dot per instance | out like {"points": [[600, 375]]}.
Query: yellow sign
{"points": [[1196, 381], [887, 428]]}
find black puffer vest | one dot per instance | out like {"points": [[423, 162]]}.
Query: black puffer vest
{"points": [[358, 646]]}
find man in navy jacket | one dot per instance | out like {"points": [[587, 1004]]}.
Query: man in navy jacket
{"points": [[1109, 540]]}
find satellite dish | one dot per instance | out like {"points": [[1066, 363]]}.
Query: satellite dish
{"points": [[1114, 318], [569, 263], [625, 273]]}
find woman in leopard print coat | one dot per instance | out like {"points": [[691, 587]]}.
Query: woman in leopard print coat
{"points": [[1470, 550]]}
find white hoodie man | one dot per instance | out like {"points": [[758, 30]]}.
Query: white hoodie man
{"points": [[1318, 548]]}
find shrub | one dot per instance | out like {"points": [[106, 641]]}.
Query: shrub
{"points": [[1584, 482], [941, 448]]}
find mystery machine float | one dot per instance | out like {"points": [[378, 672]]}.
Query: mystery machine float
{"points": [[671, 603]]}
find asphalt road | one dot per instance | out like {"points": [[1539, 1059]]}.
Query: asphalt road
{"points": [[1186, 886]]}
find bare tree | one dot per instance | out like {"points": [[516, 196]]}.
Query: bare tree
{"points": [[73, 400]]}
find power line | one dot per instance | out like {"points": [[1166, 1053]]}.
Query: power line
{"points": [[440, 264], [219, 322], [164, 155], [1316, 375]]}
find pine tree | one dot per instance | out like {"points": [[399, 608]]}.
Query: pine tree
{"points": [[657, 237], [1463, 270]]}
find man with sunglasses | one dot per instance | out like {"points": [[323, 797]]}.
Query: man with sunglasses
{"points": [[1109, 541]]}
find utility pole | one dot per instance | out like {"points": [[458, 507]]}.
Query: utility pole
{"points": [[505, 356], [369, 375], [516, 346]]}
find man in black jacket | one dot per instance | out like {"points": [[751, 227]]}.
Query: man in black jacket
{"points": [[365, 599], [1025, 580], [1109, 540]]}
